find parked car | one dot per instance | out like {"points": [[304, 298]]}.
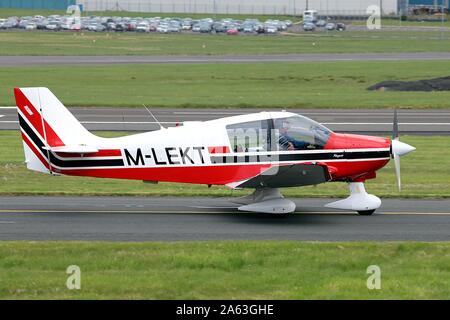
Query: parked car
{"points": [[186, 25], [174, 26], [330, 26], [97, 27], [65, 25], [205, 27], [23, 22], [321, 23], [232, 31], [31, 26], [219, 27], [53, 25], [271, 29], [120, 27], [248, 28], [41, 24], [196, 28], [163, 28], [76, 26], [340, 26], [309, 26], [259, 28], [143, 27]]}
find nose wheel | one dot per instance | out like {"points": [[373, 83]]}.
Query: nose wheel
{"points": [[366, 212]]}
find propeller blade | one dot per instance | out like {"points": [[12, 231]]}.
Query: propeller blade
{"points": [[395, 126], [397, 171], [398, 149]]}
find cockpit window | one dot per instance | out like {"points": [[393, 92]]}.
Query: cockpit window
{"points": [[249, 136], [299, 133], [290, 133]]}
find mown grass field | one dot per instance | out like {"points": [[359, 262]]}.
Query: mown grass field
{"points": [[103, 43], [224, 270], [423, 176], [265, 85]]}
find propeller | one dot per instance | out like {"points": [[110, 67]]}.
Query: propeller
{"points": [[398, 149]]}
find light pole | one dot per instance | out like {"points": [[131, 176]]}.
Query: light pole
{"points": [[442, 19]]}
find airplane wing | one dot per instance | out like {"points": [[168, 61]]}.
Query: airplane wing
{"points": [[293, 175]]}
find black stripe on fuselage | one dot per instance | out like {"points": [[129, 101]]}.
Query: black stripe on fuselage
{"points": [[65, 163], [376, 154]]}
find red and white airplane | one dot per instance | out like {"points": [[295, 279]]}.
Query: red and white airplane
{"points": [[264, 151]]}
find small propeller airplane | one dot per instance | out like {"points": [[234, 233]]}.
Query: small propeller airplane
{"points": [[264, 151]]}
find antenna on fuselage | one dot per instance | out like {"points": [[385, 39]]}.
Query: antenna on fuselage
{"points": [[153, 116]]}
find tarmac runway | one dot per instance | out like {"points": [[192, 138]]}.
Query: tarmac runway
{"points": [[176, 219], [423, 122], [181, 59]]}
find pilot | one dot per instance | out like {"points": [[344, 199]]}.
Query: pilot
{"points": [[287, 142]]}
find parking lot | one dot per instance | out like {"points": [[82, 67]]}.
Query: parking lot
{"points": [[227, 26]]}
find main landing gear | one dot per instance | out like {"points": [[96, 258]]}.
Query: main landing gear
{"points": [[266, 200]]}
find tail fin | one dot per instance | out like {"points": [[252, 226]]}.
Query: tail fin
{"points": [[46, 125]]}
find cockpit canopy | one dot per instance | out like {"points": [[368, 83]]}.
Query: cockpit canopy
{"points": [[278, 134]]}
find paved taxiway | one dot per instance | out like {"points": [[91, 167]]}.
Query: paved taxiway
{"points": [[172, 219], [102, 60], [424, 122]]}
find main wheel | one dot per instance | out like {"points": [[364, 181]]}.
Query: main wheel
{"points": [[366, 212]]}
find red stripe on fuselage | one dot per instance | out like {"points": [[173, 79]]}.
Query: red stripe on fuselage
{"points": [[35, 119]]}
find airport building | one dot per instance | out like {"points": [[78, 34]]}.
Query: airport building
{"points": [[36, 4]]}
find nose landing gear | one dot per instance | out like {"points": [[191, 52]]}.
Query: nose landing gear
{"points": [[359, 200]]}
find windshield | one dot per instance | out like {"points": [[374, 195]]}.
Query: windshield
{"points": [[300, 133]]}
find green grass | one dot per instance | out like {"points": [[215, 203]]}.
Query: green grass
{"points": [[89, 43], [422, 177], [224, 270], [264, 85]]}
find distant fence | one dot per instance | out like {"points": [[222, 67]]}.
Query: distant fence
{"points": [[261, 7]]}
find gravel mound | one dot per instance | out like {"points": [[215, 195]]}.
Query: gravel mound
{"points": [[437, 84]]}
